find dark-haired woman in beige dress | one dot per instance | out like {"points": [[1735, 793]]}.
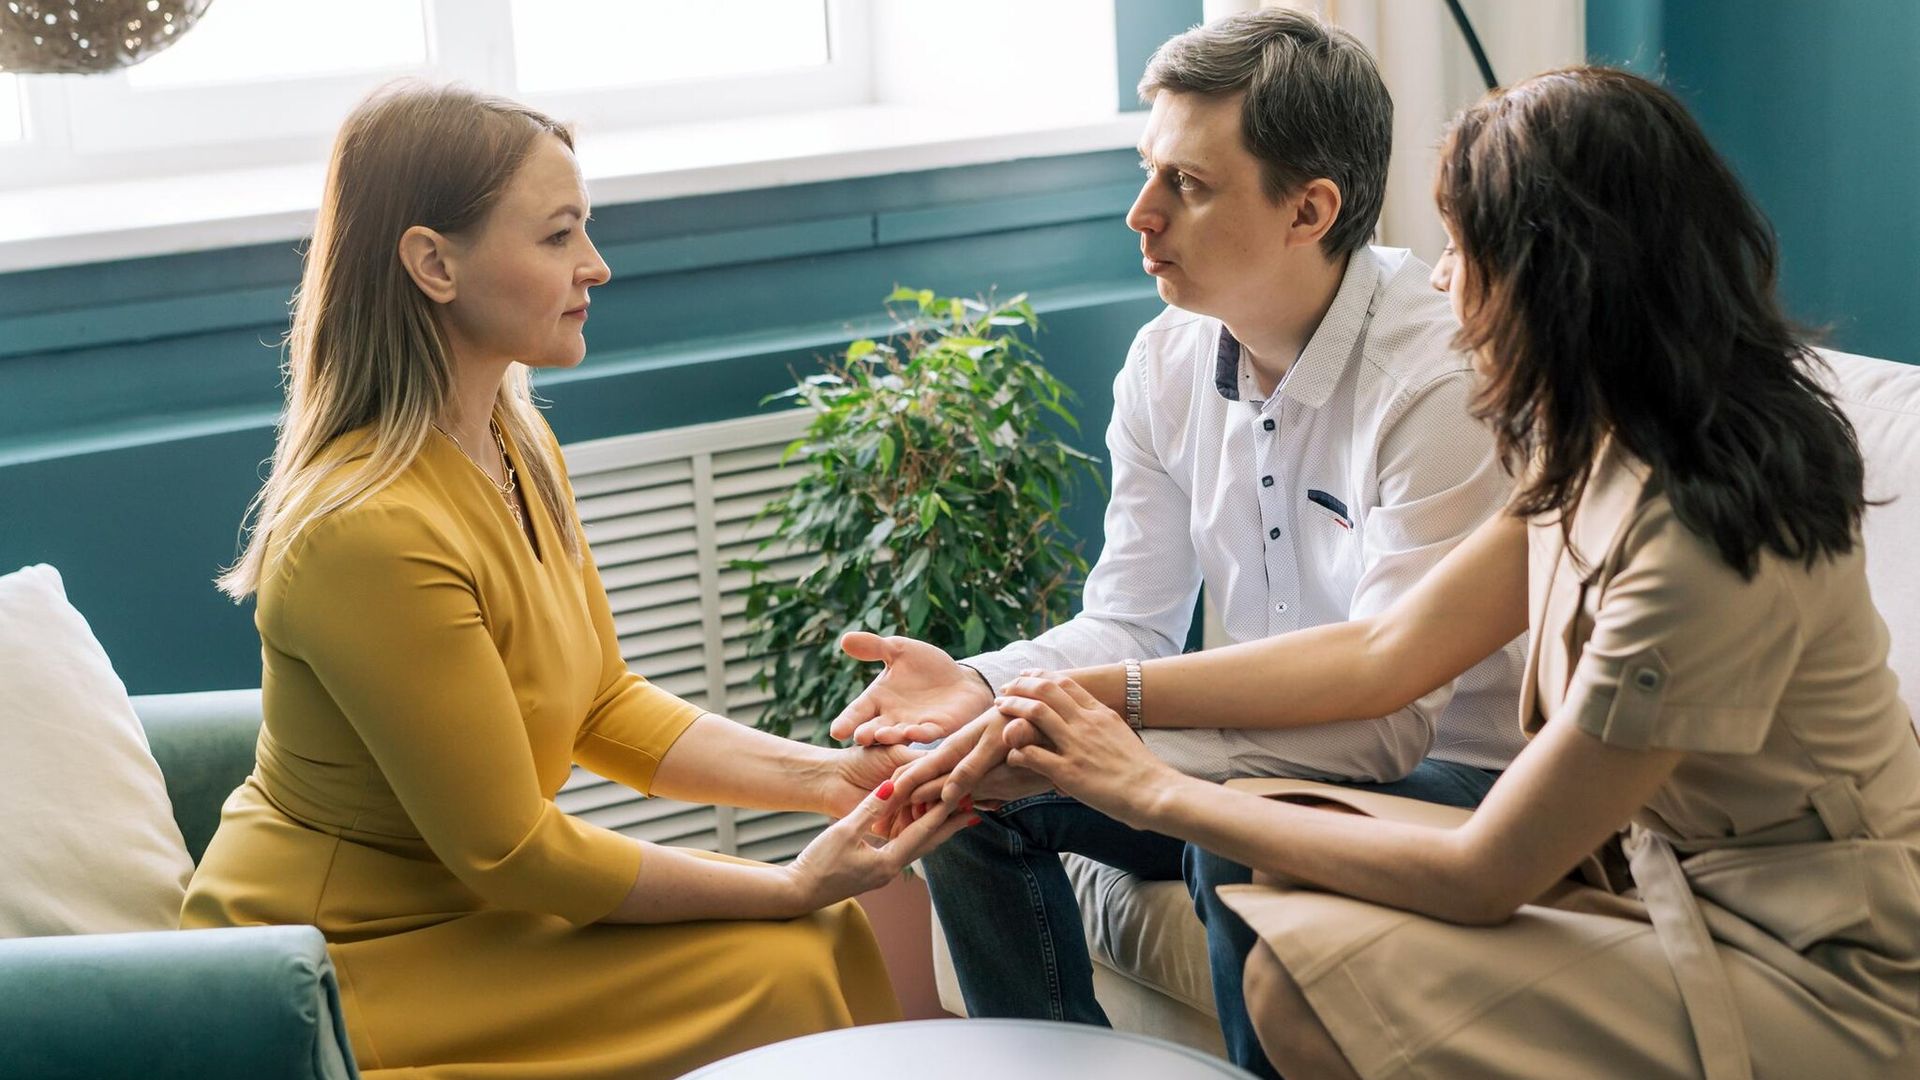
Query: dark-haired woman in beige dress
{"points": [[1708, 692]]}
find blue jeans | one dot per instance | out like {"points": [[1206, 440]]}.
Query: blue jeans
{"points": [[1014, 926]]}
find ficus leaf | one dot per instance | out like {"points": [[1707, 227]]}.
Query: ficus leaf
{"points": [[928, 489]]}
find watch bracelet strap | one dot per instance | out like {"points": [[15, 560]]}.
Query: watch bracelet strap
{"points": [[1132, 700]]}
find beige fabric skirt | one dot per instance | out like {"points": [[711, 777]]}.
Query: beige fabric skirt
{"points": [[1578, 985]]}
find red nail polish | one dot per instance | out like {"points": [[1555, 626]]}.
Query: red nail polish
{"points": [[975, 820], [966, 802], [884, 791]]}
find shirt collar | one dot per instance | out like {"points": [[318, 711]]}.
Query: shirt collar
{"points": [[1311, 379]]}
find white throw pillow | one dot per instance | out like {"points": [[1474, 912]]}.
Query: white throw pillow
{"points": [[89, 843]]}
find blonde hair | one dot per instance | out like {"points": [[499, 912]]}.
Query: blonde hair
{"points": [[365, 349]]}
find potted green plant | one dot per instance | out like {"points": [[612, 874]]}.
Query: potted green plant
{"points": [[933, 500]]}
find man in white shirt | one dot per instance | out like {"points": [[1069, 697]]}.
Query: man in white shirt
{"points": [[1293, 432]]}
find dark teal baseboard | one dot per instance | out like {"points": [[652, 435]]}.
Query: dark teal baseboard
{"points": [[137, 399]]}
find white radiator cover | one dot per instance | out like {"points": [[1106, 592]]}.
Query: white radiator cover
{"points": [[664, 513]]}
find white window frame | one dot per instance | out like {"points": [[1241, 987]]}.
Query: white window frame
{"points": [[846, 79], [81, 129], [17, 105], [930, 105]]}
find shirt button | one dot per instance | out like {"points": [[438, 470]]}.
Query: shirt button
{"points": [[1266, 481], [1647, 679], [1281, 607], [1267, 423], [1273, 534]]}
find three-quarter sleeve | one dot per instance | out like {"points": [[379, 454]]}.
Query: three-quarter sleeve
{"points": [[1685, 654], [388, 618], [632, 723]]}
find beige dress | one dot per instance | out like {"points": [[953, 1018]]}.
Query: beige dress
{"points": [[1769, 922]]}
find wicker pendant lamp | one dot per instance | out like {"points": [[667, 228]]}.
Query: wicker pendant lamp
{"points": [[79, 37]]}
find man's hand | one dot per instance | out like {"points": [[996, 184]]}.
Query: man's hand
{"points": [[856, 771], [921, 696], [968, 767], [926, 779], [978, 752], [1000, 786]]}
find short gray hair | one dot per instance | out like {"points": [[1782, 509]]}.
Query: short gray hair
{"points": [[1315, 106]]}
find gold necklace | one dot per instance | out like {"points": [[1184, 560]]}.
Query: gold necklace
{"points": [[507, 487]]}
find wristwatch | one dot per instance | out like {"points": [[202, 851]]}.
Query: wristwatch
{"points": [[1132, 710]]}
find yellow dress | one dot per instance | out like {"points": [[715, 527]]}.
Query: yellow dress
{"points": [[429, 679]]}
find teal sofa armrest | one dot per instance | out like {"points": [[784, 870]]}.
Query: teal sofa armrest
{"points": [[204, 743], [247, 1002]]}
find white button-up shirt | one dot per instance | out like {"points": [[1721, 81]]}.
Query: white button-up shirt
{"points": [[1322, 503]]}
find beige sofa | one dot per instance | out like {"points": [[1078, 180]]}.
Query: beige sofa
{"points": [[1149, 950]]}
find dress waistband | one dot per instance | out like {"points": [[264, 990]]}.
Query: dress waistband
{"points": [[1842, 810]]}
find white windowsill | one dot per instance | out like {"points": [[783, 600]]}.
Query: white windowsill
{"points": [[87, 223]]}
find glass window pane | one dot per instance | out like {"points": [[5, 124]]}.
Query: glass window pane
{"points": [[258, 40], [562, 45], [10, 127]]}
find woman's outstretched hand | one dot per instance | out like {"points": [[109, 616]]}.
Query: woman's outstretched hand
{"points": [[1082, 747], [846, 859]]}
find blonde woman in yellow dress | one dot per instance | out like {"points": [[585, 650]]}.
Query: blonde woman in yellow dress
{"points": [[438, 652]]}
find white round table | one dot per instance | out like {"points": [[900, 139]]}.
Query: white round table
{"points": [[972, 1050]]}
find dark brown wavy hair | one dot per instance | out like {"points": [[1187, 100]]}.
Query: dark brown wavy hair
{"points": [[1620, 283]]}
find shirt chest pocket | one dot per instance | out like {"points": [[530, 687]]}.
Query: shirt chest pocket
{"points": [[1329, 540], [1324, 506]]}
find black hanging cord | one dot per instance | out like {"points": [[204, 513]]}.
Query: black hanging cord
{"points": [[1473, 42]]}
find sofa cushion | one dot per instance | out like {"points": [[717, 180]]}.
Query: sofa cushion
{"points": [[1144, 930], [90, 844], [1882, 398], [204, 742]]}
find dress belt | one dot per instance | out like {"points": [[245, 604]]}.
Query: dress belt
{"points": [[1841, 811], [1718, 1034]]}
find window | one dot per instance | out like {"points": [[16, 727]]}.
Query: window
{"points": [[253, 81], [271, 40], [589, 44], [262, 82], [621, 64], [11, 128]]}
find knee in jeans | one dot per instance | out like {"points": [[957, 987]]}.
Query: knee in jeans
{"points": [[1204, 871]]}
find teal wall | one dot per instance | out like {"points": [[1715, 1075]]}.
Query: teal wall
{"points": [[1139, 26], [137, 399], [1817, 106]]}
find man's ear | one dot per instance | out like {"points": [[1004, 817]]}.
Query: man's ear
{"points": [[1316, 207], [428, 257]]}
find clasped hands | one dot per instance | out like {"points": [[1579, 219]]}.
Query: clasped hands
{"points": [[1045, 732]]}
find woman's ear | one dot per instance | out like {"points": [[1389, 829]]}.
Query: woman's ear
{"points": [[428, 257]]}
